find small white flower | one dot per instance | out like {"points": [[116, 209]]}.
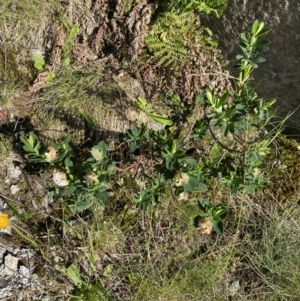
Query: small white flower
{"points": [[60, 178], [181, 178], [183, 196], [90, 178], [256, 172], [205, 226], [51, 155]]}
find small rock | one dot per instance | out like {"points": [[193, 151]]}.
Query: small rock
{"points": [[6, 292], [3, 284], [11, 265], [26, 254], [25, 273], [14, 189], [234, 288], [13, 172], [2, 252], [2, 204], [7, 230]]}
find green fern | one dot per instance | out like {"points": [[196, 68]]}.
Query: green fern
{"points": [[170, 39], [205, 6]]}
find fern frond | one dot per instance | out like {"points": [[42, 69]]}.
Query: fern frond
{"points": [[205, 6], [168, 40]]}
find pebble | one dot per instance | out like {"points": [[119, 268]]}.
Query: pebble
{"points": [[14, 189], [13, 172], [10, 265], [25, 273]]}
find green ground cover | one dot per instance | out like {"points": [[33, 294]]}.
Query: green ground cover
{"points": [[168, 178]]}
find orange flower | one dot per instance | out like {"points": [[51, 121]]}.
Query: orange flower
{"points": [[4, 221]]}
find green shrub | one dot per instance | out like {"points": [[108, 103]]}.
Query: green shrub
{"points": [[233, 120], [81, 181]]}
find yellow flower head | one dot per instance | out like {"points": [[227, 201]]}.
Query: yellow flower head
{"points": [[4, 221]]}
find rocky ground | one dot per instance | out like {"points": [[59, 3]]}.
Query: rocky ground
{"points": [[18, 263], [24, 273]]}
